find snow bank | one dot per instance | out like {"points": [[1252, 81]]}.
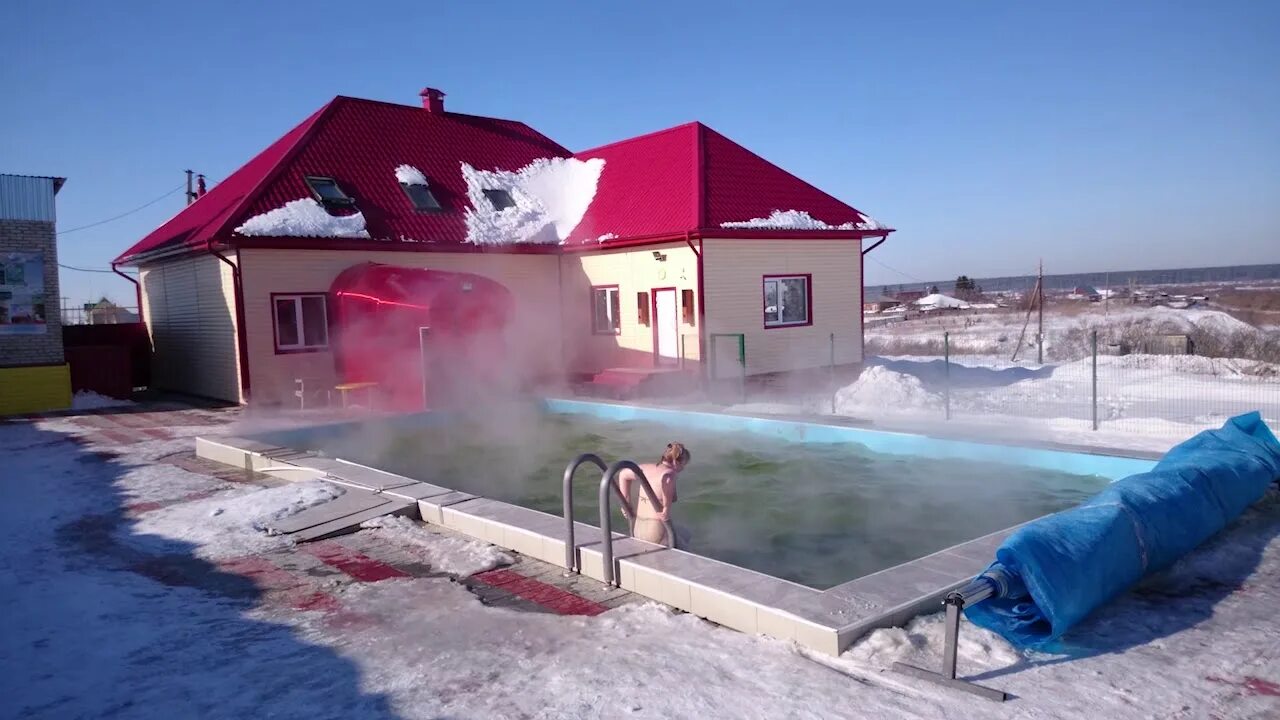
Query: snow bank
{"points": [[90, 400], [883, 389], [410, 175], [551, 195], [801, 220], [453, 555], [304, 218], [230, 524]]}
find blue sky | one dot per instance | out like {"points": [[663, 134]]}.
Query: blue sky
{"points": [[1099, 136]]}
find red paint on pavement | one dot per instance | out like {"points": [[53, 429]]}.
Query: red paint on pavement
{"points": [[148, 506], [279, 586], [1251, 685], [357, 565], [551, 597]]}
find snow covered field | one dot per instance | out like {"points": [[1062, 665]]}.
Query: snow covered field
{"points": [[101, 619]]}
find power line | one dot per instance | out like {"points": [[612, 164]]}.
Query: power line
{"points": [[124, 214], [893, 269], [79, 269]]}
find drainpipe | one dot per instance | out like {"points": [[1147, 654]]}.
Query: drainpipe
{"points": [[862, 298], [241, 334], [701, 300], [137, 289]]}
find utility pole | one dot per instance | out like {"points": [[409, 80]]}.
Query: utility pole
{"points": [[1106, 299], [1040, 319], [191, 196]]}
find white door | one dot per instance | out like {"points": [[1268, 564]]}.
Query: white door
{"points": [[666, 319]]}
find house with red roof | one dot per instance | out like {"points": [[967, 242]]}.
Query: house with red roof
{"points": [[672, 251]]}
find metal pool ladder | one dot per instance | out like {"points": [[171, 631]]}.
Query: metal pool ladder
{"points": [[606, 516]]}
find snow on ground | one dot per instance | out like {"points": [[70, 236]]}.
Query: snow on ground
{"points": [[997, 333], [85, 635], [237, 522], [304, 218], [550, 194], [90, 400], [410, 175], [450, 554], [880, 387]]}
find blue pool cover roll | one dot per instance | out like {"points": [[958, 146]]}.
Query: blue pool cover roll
{"points": [[1061, 567]]}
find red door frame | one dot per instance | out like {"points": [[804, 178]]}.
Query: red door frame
{"points": [[653, 315]]}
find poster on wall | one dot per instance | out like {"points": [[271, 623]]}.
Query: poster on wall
{"points": [[22, 302]]}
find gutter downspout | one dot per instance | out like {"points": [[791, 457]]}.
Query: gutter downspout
{"points": [[702, 307], [241, 333], [862, 299], [137, 290]]}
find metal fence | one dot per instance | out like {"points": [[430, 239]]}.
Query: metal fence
{"points": [[1163, 391]]}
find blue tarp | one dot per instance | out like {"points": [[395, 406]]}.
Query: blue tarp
{"points": [[1061, 567]]}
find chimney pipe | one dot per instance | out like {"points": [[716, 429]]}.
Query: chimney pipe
{"points": [[432, 100]]}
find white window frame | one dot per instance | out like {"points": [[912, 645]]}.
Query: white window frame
{"points": [[777, 320], [296, 299], [615, 323]]}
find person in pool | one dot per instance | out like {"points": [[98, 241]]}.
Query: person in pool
{"points": [[648, 522]]}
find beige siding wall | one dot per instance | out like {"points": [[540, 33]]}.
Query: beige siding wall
{"points": [[633, 271], [534, 340], [190, 313], [734, 273]]}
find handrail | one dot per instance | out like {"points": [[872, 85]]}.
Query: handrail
{"points": [[570, 548], [606, 516]]}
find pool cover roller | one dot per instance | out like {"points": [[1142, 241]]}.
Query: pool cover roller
{"points": [[1052, 572]]}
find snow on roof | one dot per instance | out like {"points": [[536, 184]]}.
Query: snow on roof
{"points": [[550, 194], [801, 220], [410, 175], [941, 301], [304, 218]]}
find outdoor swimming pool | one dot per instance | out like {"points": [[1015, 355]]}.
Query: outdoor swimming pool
{"points": [[818, 512]]}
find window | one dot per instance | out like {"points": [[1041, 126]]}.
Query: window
{"points": [[421, 197], [302, 323], [606, 310], [786, 300], [686, 306], [499, 199], [327, 191], [642, 308]]}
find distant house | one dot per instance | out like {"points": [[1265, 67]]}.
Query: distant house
{"points": [[105, 312], [657, 252], [938, 301], [880, 304], [908, 296], [1085, 293]]}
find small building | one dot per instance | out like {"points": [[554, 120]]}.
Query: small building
{"points": [[938, 301], [652, 253], [880, 304], [907, 297], [105, 312], [1085, 293], [34, 376]]}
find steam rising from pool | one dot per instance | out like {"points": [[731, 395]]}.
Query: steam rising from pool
{"points": [[818, 514]]}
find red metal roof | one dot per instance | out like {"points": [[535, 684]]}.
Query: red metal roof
{"points": [[360, 143], [686, 179], [691, 178]]}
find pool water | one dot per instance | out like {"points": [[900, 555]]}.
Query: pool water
{"points": [[816, 514]]}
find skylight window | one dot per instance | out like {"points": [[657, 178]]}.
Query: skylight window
{"points": [[500, 199], [421, 197], [327, 191]]}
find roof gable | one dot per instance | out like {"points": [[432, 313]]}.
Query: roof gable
{"points": [[692, 179], [360, 143]]}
